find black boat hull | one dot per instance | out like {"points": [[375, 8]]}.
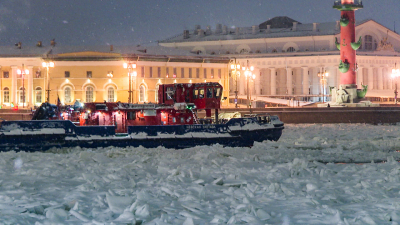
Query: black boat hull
{"points": [[43, 135]]}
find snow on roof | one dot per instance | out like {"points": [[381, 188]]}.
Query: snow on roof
{"points": [[123, 51], [326, 28]]}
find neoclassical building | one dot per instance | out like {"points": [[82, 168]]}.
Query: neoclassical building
{"points": [[289, 56], [91, 74]]}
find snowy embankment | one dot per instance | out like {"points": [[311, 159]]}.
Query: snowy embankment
{"points": [[280, 182]]}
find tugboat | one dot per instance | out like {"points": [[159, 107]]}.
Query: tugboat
{"points": [[173, 122]]}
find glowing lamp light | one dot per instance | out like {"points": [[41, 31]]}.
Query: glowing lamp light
{"points": [[66, 80], [130, 65], [19, 71]]}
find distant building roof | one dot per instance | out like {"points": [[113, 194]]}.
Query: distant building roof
{"points": [[278, 22], [280, 28], [144, 53]]}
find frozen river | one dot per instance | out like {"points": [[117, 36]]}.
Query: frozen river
{"points": [[292, 181]]}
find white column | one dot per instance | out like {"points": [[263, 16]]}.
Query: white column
{"points": [[273, 81], [289, 80], [242, 83], [257, 81], [30, 92], [380, 79], [370, 78], [14, 85], [306, 84], [391, 81], [1, 87], [360, 79]]}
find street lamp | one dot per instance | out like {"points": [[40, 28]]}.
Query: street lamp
{"points": [[130, 67], [47, 65], [235, 67], [248, 73], [22, 72], [395, 75], [323, 78]]}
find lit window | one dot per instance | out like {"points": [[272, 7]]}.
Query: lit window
{"points": [[201, 93], [67, 95], [89, 94], [6, 95], [22, 95], [38, 94], [142, 91], [110, 94]]}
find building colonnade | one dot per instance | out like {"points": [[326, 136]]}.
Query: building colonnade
{"points": [[301, 80]]}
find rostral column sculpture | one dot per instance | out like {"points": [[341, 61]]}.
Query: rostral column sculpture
{"points": [[347, 92]]}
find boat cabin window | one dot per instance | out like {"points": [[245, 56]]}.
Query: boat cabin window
{"points": [[201, 93], [217, 93], [209, 93], [182, 120], [195, 94], [131, 115], [170, 91], [174, 120], [101, 106]]}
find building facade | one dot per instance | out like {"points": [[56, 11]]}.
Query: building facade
{"points": [[289, 57], [97, 74]]}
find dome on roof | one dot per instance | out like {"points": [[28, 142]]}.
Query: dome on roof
{"points": [[279, 22]]}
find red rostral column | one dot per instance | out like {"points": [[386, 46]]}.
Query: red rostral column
{"points": [[347, 44]]}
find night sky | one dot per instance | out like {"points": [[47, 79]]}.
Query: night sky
{"points": [[133, 22]]}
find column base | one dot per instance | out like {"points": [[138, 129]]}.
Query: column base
{"points": [[347, 95]]}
